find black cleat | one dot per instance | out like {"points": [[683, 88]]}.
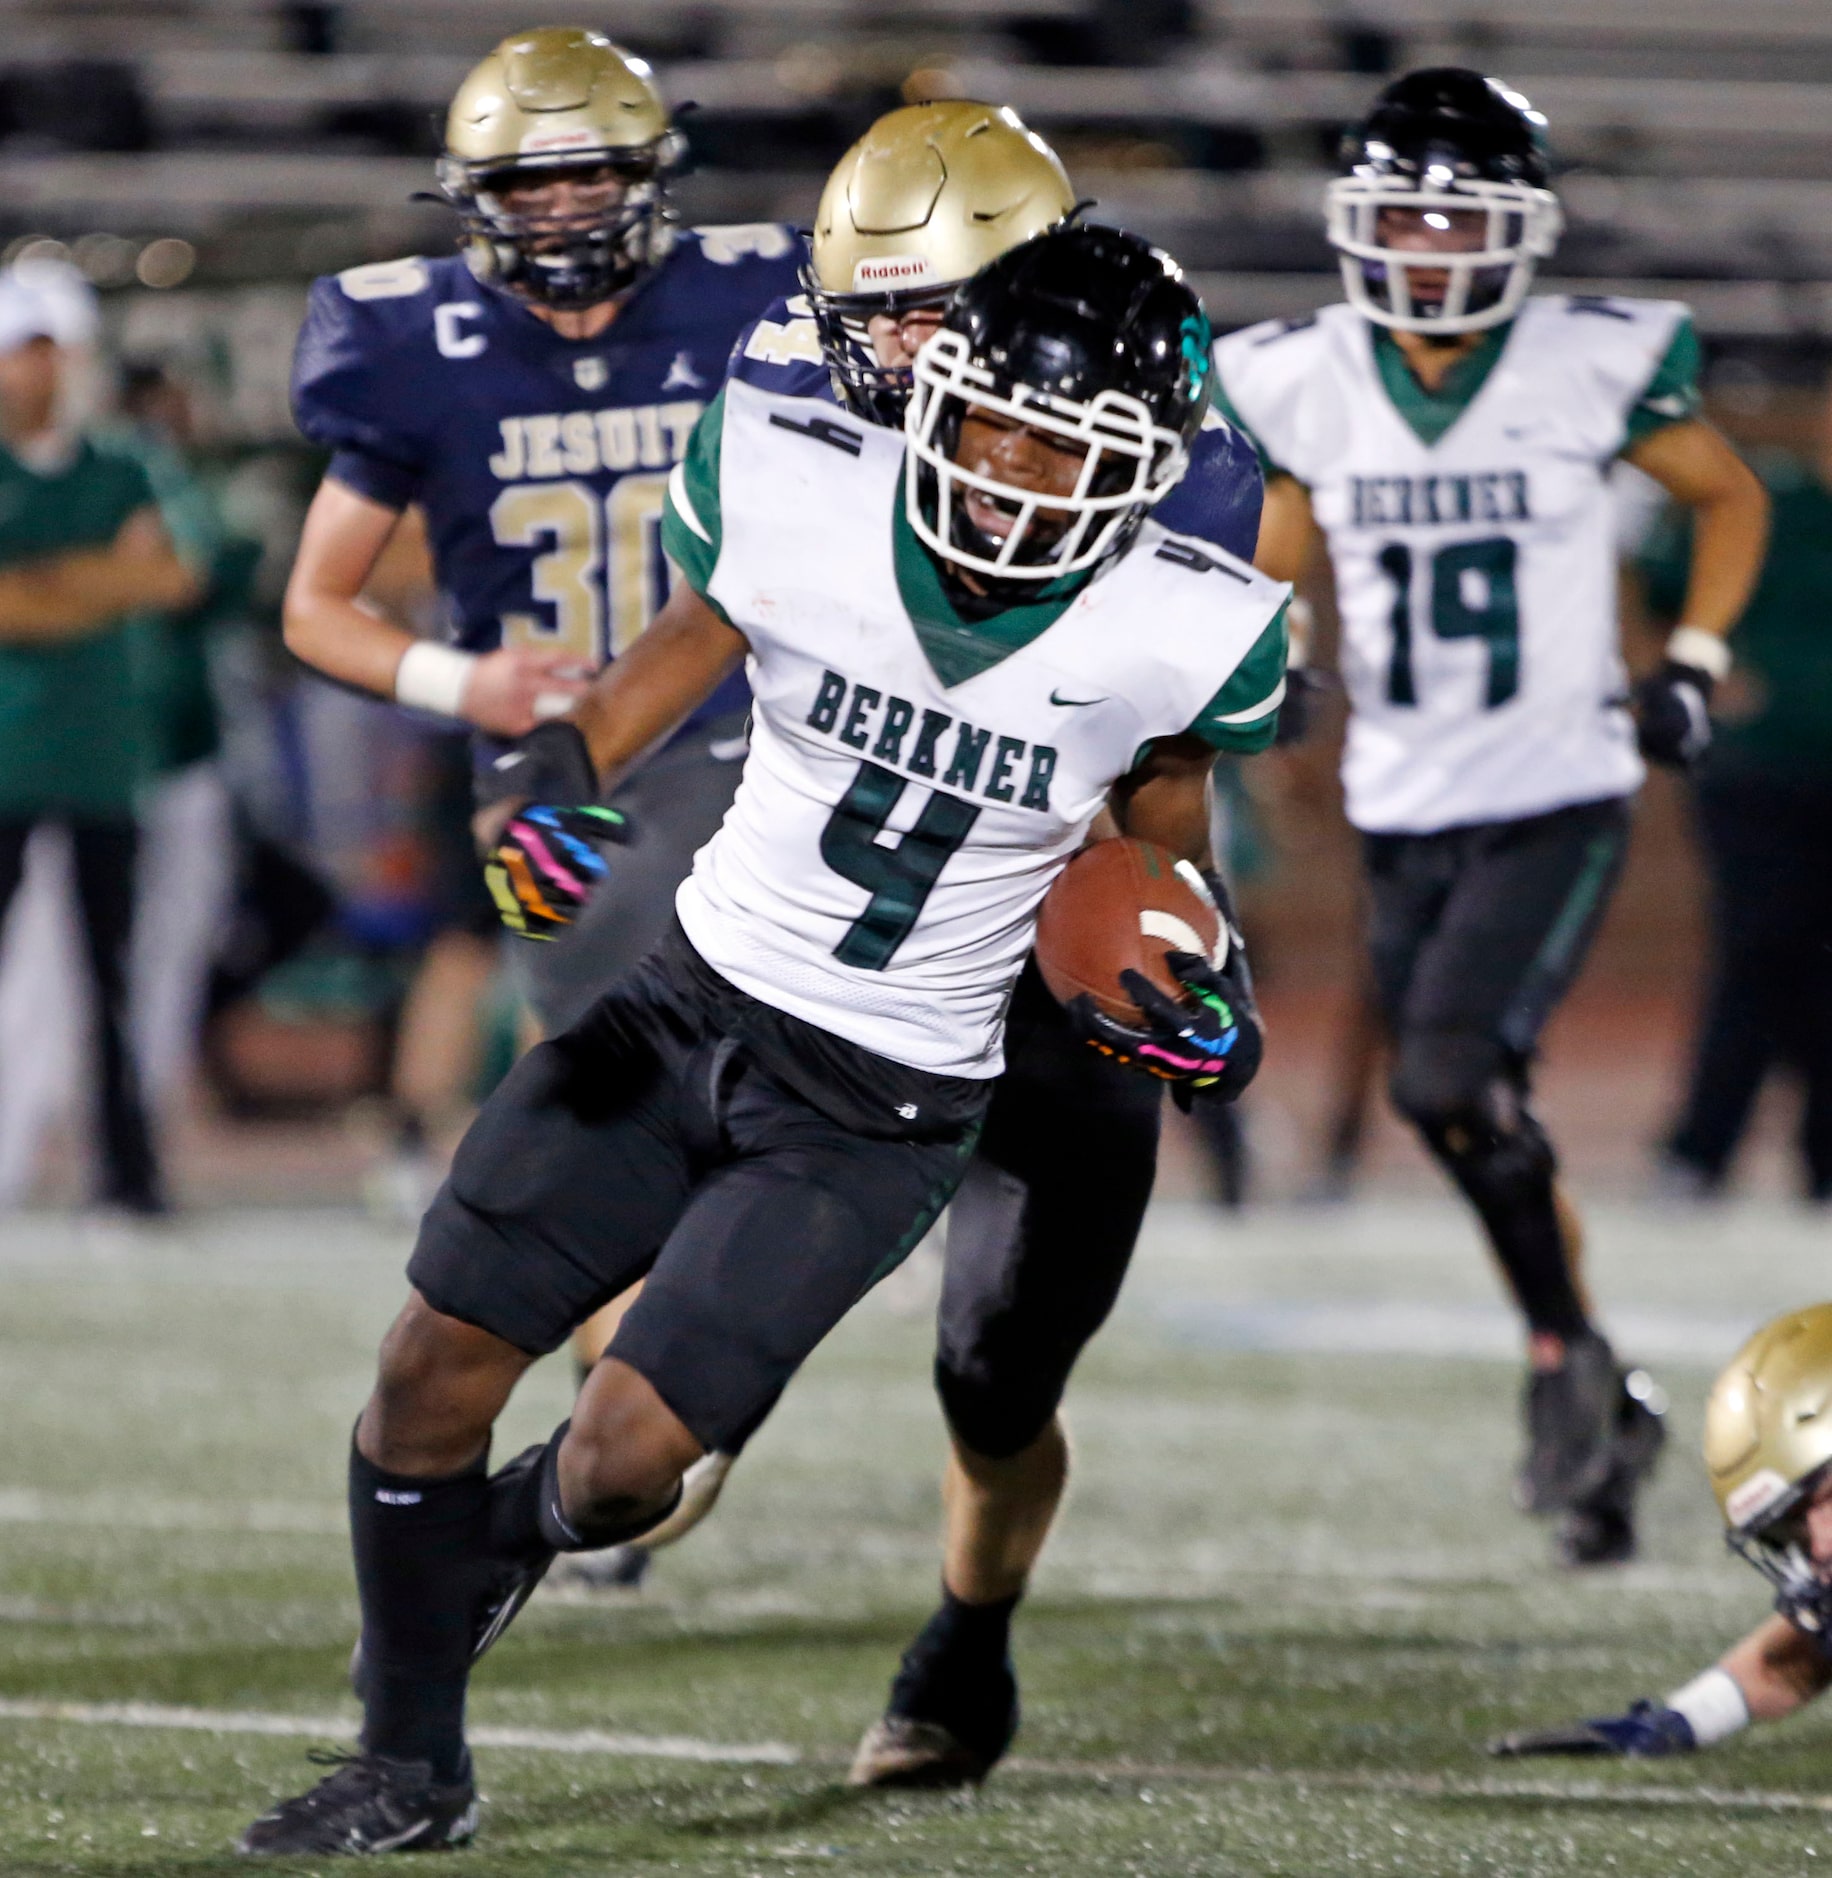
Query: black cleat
{"points": [[951, 1716], [1599, 1528], [367, 1804], [1570, 1416]]}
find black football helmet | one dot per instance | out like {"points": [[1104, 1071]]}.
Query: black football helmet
{"points": [[1090, 335], [1439, 143]]}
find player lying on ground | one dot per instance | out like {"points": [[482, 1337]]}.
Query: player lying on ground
{"points": [[1768, 1450], [1453, 439], [1043, 1226], [969, 642]]}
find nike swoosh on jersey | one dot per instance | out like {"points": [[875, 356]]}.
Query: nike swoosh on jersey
{"points": [[1057, 698]]}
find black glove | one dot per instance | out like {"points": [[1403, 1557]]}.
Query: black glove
{"points": [[545, 865], [1207, 1042], [1673, 715], [1305, 691], [550, 764], [1649, 1731]]}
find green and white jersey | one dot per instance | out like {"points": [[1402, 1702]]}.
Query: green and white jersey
{"points": [[1472, 540], [916, 780]]}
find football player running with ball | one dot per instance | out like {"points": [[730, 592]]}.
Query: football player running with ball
{"points": [[532, 395], [765, 1117], [1453, 440], [1043, 1226], [1768, 1450]]}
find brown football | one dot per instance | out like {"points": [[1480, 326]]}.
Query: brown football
{"points": [[1122, 904]]}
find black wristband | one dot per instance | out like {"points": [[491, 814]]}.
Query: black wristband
{"points": [[1680, 673], [550, 764]]}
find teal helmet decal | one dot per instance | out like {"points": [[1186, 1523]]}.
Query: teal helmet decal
{"points": [[1196, 340]]}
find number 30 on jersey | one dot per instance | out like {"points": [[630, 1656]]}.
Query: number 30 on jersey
{"points": [[600, 576]]}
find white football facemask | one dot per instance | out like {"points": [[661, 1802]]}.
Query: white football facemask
{"points": [[1485, 285], [1115, 428]]}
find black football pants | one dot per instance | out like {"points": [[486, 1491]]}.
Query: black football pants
{"points": [[104, 855], [1042, 1229]]}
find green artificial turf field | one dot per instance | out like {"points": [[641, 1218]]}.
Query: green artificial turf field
{"points": [[1288, 1602]]}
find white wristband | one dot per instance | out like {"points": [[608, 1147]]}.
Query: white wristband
{"points": [[432, 677], [1299, 619], [1712, 1704], [1703, 651]]}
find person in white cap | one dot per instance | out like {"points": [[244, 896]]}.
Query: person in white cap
{"points": [[82, 552]]}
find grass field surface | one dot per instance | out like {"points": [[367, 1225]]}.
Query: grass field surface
{"points": [[1287, 1604]]}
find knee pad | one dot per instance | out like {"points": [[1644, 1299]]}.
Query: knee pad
{"points": [[996, 1422], [1464, 1097], [1445, 1077]]}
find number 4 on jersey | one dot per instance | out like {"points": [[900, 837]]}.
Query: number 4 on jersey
{"points": [[899, 878], [1472, 596]]}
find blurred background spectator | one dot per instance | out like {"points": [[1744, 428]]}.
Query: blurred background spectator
{"points": [[196, 162], [84, 554], [1764, 803]]}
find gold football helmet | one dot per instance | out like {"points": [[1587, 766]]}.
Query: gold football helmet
{"points": [[922, 201], [1768, 1443], [560, 104]]}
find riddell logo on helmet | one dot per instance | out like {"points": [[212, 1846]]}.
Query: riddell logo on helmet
{"points": [[893, 270], [541, 142], [1759, 1492]]}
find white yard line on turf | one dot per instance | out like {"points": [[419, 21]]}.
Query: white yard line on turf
{"points": [[343, 1728], [779, 1754], [1432, 1786]]}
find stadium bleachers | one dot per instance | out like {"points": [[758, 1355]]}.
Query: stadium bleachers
{"points": [[281, 139]]}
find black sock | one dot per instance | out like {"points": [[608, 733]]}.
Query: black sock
{"points": [[958, 1673], [420, 1547]]}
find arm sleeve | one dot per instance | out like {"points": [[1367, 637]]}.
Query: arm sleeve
{"points": [[692, 527], [1671, 396], [349, 398], [1244, 714]]}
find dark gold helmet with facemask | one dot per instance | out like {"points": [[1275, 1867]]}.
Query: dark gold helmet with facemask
{"points": [[1768, 1448], [920, 203], [560, 104]]}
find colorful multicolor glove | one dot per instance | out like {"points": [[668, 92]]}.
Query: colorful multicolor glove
{"points": [[1206, 1042], [1649, 1731], [546, 864], [1673, 715]]}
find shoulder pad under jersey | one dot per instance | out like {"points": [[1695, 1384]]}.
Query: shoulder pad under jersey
{"points": [[362, 364], [781, 352]]}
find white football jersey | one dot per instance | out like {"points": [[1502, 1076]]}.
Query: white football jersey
{"points": [[1475, 576], [880, 871]]}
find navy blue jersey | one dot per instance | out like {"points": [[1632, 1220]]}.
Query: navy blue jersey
{"points": [[1218, 499], [539, 461]]}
